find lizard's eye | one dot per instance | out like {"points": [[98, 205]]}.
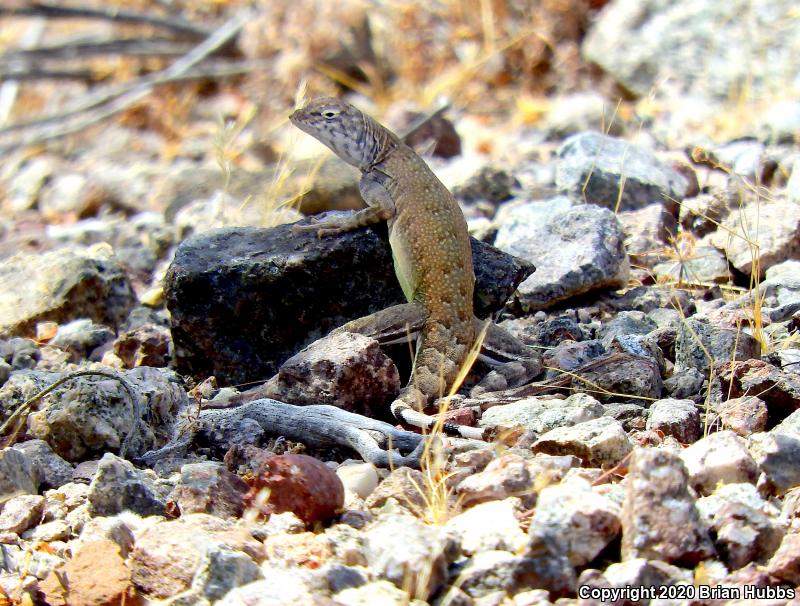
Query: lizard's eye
{"points": [[329, 114]]}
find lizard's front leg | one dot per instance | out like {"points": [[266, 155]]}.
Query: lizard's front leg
{"points": [[380, 207]]}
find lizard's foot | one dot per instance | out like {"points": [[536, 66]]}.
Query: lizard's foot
{"points": [[508, 376]]}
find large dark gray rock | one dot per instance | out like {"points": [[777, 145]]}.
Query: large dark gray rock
{"points": [[243, 300]]}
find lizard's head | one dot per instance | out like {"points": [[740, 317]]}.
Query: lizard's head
{"points": [[352, 135]]}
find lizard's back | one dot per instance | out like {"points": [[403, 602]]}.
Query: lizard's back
{"points": [[433, 260]]}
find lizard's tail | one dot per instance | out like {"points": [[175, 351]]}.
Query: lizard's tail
{"points": [[407, 412]]}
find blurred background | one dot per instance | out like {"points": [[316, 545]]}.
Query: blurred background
{"points": [[149, 104]]}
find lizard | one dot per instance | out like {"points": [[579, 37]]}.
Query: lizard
{"points": [[430, 248]]}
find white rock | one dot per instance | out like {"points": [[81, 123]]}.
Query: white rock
{"points": [[358, 478], [599, 442], [543, 414], [489, 526], [377, 592], [719, 458]]}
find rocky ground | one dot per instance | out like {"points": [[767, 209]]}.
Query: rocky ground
{"points": [[643, 234]]}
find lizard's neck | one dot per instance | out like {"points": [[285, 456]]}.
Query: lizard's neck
{"points": [[378, 144]]}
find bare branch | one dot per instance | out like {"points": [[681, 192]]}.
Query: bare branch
{"points": [[43, 9], [100, 106]]}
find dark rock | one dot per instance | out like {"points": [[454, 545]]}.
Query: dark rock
{"points": [[245, 459], [702, 214], [550, 333], [236, 294], [208, 487], [340, 577], [80, 337], [439, 129], [545, 566], [5, 371], [577, 250], [659, 517], [118, 486], [17, 474], [685, 384], [643, 346], [620, 375], [615, 173], [222, 569], [146, 345], [776, 454], [648, 298], [51, 470], [699, 339], [489, 185], [569, 355], [625, 323]]}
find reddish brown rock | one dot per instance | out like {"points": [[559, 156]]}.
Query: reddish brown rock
{"points": [[307, 550], [167, 554], [297, 483], [743, 416], [95, 576], [146, 345], [785, 564], [780, 390]]}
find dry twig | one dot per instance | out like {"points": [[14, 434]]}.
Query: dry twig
{"points": [[96, 107]]}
